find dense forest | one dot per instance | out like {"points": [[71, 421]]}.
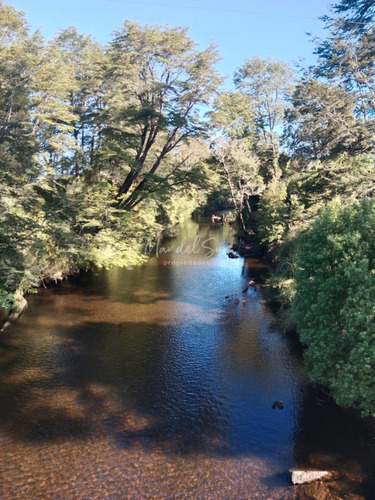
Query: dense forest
{"points": [[104, 147]]}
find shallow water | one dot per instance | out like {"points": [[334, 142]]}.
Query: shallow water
{"points": [[158, 382]]}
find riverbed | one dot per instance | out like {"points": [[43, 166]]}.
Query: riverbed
{"points": [[158, 382]]}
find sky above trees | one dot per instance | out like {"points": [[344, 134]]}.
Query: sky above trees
{"points": [[241, 29]]}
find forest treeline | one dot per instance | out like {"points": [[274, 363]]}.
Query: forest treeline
{"points": [[105, 146]]}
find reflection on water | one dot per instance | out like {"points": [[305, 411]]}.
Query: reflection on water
{"points": [[158, 383]]}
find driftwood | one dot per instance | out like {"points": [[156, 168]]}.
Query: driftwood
{"points": [[254, 285], [224, 219], [251, 283], [16, 312]]}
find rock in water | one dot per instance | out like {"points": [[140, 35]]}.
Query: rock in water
{"points": [[278, 404], [307, 476], [319, 490]]}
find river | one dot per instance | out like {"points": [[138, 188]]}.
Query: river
{"points": [[158, 382]]}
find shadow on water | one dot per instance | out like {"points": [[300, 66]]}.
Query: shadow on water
{"points": [[329, 437], [99, 378]]}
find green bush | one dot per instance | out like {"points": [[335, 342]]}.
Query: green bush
{"points": [[272, 214], [334, 304]]}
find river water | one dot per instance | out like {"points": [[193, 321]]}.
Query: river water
{"points": [[158, 382]]}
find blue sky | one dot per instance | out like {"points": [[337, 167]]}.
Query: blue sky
{"points": [[240, 28]]}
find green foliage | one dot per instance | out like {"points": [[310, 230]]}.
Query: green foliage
{"points": [[267, 84], [121, 243], [321, 121], [102, 148], [333, 306], [37, 242], [346, 176], [346, 57], [272, 214], [75, 120], [155, 81], [17, 144], [239, 167], [281, 287], [233, 116]]}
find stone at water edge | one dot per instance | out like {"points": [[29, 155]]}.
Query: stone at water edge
{"points": [[306, 476]]}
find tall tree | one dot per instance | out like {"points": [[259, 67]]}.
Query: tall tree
{"points": [[52, 115], [82, 57], [157, 82], [347, 56], [268, 83], [17, 144], [240, 169], [233, 116], [321, 122]]}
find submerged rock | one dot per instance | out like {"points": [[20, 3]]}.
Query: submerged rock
{"points": [[316, 491], [324, 485], [278, 404]]}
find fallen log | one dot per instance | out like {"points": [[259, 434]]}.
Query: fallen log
{"points": [[251, 283], [21, 304], [307, 476]]}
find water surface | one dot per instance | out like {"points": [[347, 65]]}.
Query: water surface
{"points": [[158, 382]]}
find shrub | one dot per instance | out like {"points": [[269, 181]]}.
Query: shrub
{"points": [[334, 304]]}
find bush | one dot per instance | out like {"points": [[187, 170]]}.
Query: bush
{"points": [[334, 304], [272, 214]]}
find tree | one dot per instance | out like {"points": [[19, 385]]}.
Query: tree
{"points": [[239, 167], [268, 84], [156, 82], [82, 58], [358, 13], [321, 121], [17, 144], [333, 305], [347, 56], [272, 215], [233, 116], [51, 114]]}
